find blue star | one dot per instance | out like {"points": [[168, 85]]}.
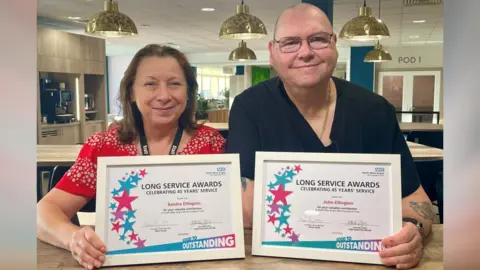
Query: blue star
{"points": [[115, 192], [278, 230], [271, 185], [286, 207], [122, 237], [127, 226], [126, 185], [128, 243], [134, 179], [283, 219], [113, 206], [131, 214], [269, 199], [112, 219], [291, 174], [268, 212], [282, 179]]}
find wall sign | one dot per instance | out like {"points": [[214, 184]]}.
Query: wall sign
{"points": [[409, 60]]}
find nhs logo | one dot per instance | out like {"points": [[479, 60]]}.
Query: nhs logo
{"points": [[220, 169], [379, 170]]}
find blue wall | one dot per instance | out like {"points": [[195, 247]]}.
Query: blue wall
{"points": [[325, 5], [361, 73]]}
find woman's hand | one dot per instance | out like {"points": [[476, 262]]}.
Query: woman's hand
{"points": [[87, 248], [403, 249]]}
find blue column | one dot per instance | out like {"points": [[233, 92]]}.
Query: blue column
{"points": [[325, 5], [361, 73]]}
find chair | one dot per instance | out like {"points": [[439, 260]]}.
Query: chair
{"points": [[431, 178], [56, 175]]}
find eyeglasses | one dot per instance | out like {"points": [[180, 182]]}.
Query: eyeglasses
{"points": [[293, 44]]}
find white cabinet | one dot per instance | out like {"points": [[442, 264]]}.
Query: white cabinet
{"points": [[60, 134], [92, 128]]}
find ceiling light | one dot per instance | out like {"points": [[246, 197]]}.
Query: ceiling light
{"points": [[111, 23], [419, 21], [242, 25], [208, 9], [74, 18], [378, 54], [145, 25], [242, 53], [414, 36], [364, 27]]}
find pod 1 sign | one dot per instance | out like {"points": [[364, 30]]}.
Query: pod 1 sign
{"points": [[409, 59]]}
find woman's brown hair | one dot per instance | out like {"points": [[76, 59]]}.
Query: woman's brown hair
{"points": [[131, 126]]}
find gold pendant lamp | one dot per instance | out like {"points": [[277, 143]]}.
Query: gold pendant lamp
{"points": [[242, 25], [378, 54], [365, 27], [242, 53], [111, 22]]}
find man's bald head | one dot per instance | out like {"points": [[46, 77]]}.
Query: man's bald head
{"points": [[301, 8]]}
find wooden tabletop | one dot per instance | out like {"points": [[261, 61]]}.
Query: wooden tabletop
{"points": [[50, 257], [65, 155]]}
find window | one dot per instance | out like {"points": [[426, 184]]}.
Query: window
{"points": [[212, 82]]}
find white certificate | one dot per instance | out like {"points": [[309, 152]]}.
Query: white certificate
{"points": [[157, 209], [324, 206]]}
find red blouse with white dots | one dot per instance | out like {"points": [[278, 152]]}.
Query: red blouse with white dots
{"points": [[81, 178]]}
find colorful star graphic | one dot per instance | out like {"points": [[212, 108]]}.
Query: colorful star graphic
{"points": [[133, 236], [282, 180], [294, 237], [272, 219], [271, 185], [127, 226], [122, 237], [134, 179], [115, 192], [269, 198], [283, 219], [118, 214], [280, 194], [140, 243], [297, 169], [278, 230], [131, 214], [126, 185], [143, 173], [275, 208], [116, 226], [285, 207], [288, 230], [113, 206], [125, 201], [290, 174]]}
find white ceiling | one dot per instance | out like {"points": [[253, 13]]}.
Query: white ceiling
{"points": [[182, 22]]}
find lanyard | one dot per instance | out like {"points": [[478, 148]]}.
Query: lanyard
{"points": [[173, 148]]}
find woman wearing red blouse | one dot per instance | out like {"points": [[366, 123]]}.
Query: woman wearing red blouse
{"points": [[158, 93]]}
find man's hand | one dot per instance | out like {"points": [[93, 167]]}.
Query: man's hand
{"points": [[403, 249]]}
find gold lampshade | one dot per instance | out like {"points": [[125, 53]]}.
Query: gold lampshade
{"points": [[242, 25], [242, 53], [111, 23], [378, 54], [365, 27]]}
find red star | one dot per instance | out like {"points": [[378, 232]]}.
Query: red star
{"points": [[288, 167], [125, 201], [116, 226], [140, 243], [279, 172], [272, 219], [280, 194], [133, 172], [288, 230], [143, 173], [297, 168], [133, 236]]}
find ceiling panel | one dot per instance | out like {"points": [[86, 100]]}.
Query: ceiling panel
{"points": [[181, 22]]}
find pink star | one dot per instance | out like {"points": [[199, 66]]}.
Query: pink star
{"points": [[116, 226], [125, 201], [297, 168], [280, 194], [133, 236], [294, 237], [272, 219], [143, 173], [274, 208], [288, 167], [118, 214], [140, 243]]}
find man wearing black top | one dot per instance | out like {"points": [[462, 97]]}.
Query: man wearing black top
{"points": [[305, 109]]}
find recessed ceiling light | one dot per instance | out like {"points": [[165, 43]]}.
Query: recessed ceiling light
{"points": [[419, 21], [208, 9], [145, 25], [414, 36], [74, 18]]}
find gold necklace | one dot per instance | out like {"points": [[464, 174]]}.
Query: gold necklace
{"points": [[328, 109]]}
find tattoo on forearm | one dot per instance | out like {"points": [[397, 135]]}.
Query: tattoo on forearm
{"points": [[424, 209], [244, 183]]}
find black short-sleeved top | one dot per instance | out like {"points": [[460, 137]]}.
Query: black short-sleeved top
{"points": [[263, 118]]}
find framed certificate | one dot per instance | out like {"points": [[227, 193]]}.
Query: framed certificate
{"points": [[322, 206], [159, 209]]}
